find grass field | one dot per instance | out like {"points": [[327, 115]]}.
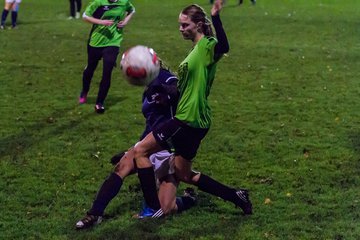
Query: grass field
{"points": [[286, 124]]}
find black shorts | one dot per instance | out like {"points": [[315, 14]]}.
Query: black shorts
{"points": [[108, 54], [180, 138]]}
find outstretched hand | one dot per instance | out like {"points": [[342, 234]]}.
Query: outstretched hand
{"points": [[216, 8]]}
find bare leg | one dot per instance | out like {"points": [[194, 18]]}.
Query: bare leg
{"points": [[167, 195]]}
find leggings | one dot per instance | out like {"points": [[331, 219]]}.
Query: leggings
{"points": [[109, 55], [72, 7]]}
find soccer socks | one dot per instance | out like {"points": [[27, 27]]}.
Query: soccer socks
{"points": [[148, 186], [184, 203], [209, 185], [13, 18], [4, 16], [109, 189]]}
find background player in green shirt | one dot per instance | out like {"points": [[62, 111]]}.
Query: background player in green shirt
{"points": [[108, 17], [183, 133]]}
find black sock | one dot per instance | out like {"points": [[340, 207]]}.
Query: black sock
{"points": [[13, 18], [184, 203], [4, 16], [209, 185], [108, 190], [148, 186]]}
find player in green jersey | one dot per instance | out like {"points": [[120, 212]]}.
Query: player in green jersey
{"points": [[109, 17], [192, 120]]}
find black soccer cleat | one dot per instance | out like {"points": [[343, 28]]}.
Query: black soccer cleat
{"points": [[99, 108], [88, 221], [190, 192], [243, 201]]}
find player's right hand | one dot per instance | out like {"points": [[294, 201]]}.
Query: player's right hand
{"points": [[107, 22]]}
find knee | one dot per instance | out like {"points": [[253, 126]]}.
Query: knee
{"points": [[188, 177], [168, 207], [125, 166], [184, 177], [195, 176], [138, 152], [141, 157], [123, 169]]}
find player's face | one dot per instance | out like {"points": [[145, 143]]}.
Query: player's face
{"points": [[187, 28]]}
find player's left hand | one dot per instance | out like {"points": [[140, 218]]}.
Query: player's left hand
{"points": [[121, 24], [216, 8]]}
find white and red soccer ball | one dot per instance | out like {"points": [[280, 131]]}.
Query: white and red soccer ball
{"points": [[140, 65]]}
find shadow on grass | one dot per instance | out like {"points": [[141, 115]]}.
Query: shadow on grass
{"points": [[355, 141], [34, 22], [206, 220], [110, 101], [15, 145], [168, 229]]}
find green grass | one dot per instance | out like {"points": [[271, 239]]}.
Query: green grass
{"points": [[285, 124]]}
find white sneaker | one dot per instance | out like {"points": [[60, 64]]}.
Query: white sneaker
{"points": [[70, 18], [77, 16]]}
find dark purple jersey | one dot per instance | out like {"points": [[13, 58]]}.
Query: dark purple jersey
{"points": [[159, 100]]}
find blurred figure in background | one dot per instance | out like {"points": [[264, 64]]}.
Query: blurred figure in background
{"points": [[13, 6], [252, 1], [75, 8], [240, 2]]}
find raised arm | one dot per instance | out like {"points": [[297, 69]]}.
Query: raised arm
{"points": [[223, 45]]}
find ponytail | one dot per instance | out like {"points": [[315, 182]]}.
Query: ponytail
{"points": [[197, 14]]}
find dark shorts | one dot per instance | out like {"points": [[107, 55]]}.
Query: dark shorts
{"points": [[180, 138], [108, 54]]}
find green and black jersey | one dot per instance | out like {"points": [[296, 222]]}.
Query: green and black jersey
{"points": [[104, 36], [196, 75]]}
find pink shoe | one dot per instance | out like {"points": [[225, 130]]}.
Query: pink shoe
{"points": [[83, 98]]}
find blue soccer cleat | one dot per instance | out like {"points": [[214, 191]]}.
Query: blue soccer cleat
{"points": [[148, 212]]}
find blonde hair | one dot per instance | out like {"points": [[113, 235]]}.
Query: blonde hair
{"points": [[197, 14]]}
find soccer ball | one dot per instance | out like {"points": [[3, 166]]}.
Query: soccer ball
{"points": [[140, 65]]}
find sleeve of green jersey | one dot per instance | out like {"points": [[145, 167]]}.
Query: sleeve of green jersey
{"points": [[130, 8], [91, 8], [210, 48]]}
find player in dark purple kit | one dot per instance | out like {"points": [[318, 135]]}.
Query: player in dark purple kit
{"points": [[159, 104]]}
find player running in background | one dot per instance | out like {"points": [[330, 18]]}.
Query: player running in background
{"points": [[13, 6], [75, 8], [109, 17], [183, 133], [252, 1], [159, 105]]}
